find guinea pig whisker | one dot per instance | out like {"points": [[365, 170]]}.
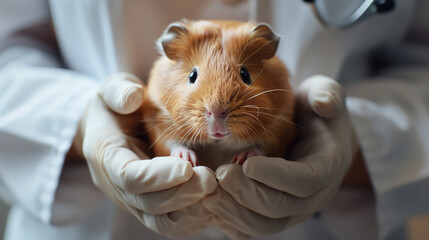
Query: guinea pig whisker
{"points": [[247, 64], [256, 78], [154, 118], [284, 119], [236, 83], [160, 136], [267, 133], [234, 93], [200, 134], [186, 135], [172, 132], [267, 91], [191, 134], [253, 106], [177, 134], [243, 50], [194, 135], [202, 140], [241, 130], [259, 121], [157, 125], [162, 121], [260, 142], [171, 90]]}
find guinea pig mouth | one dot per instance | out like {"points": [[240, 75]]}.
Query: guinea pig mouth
{"points": [[217, 129], [218, 136]]}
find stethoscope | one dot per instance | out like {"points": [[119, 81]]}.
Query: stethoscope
{"points": [[345, 13]]}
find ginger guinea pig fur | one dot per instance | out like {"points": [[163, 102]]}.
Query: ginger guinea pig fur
{"points": [[219, 94]]}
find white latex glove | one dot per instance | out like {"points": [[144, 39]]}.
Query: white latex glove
{"points": [[164, 193], [267, 195]]}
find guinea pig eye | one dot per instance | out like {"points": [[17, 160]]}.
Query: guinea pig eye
{"points": [[193, 76], [245, 76]]}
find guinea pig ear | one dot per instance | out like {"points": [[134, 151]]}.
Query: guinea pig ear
{"points": [[266, 41], [167, 43]]}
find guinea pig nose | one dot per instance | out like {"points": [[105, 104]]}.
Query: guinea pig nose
{"points": [[217, 113]]}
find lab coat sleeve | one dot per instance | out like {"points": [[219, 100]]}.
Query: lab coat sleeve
{"points": [[40, 108], [391, 118]]}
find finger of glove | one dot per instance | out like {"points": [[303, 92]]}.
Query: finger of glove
{"points": [[299, 178], [181, 223], [228, 230], [126, 170], [122, 92], [202, 183], [263, 199], [144, 176], [321, 94], [241, 218], [98, 123], [112, 155]]}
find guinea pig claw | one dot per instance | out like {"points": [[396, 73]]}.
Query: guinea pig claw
{"points": [[241, 157], [193, 160], [186, 154]]}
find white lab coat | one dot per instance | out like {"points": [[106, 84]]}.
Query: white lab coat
{"points": [[41, 103]]}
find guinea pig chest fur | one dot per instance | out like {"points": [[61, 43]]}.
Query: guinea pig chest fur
{"points": [[219, 94]]}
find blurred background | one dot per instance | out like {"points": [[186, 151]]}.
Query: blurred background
{"points": [[4, 209], [418, 227]]}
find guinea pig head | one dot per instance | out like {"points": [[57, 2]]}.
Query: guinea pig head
{"points": [[221, 80]]}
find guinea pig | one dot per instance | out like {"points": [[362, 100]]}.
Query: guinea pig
{"points": [[218, 94]]}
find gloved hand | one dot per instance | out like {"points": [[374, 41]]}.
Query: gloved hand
{"points": [[266, 194], [164, 193]]}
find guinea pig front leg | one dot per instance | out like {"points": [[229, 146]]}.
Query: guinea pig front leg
{"points": [[242, 156], [185, 153]]}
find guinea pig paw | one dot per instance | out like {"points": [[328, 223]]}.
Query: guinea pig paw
{"points": [[241, 157], [185, 153]]}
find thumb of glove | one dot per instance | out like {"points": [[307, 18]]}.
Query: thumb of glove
{"points": [[322, 94], [122, 92]]}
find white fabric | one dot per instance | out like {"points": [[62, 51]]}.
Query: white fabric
{"points": [[102, 37], [12, 12], [391, 117], [40, 106]]}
